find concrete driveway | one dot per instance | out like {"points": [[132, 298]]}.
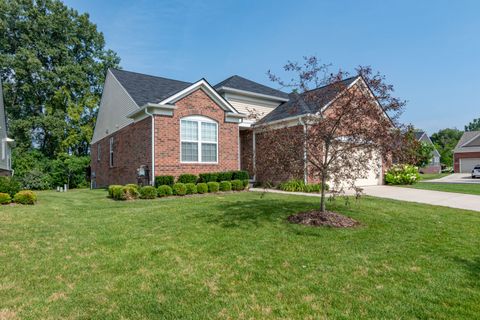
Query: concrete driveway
{"points": [[438, 198], [456, 178]]}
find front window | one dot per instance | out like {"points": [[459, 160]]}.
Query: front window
{"points": [[199, 139]]}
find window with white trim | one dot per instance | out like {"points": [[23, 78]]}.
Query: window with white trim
{"points": [[198, 140], [111, 152]]}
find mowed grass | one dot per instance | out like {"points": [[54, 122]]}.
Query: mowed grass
{"points": [[432, 176], [467, 188], [79, 255]]}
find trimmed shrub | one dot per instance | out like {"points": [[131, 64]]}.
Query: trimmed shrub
{"points": [[245, 183], [148, 192], [179, 189], [213, 186], [208, 177], [225, 186], [240, 175], [25, 197], [224, 176], [402, 174], [132, 185], [237, 185], [130, 192], [202, 187], [164, 181], [297, 185], [187, 178], [164, 191], [9, 185], [116, 192], [5, 198], [191, 188], [111, 188]]}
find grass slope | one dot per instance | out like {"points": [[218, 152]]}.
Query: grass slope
{"points": [[468, 188], [79, 255]]}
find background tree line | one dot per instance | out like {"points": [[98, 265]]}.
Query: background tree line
{"points": [[53, 62]]}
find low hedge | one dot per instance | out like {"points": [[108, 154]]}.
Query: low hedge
{"points": [[191, 188], [240, 175], [187, 178], [297, 185], [5, 198], [25, 197], [179, 189], [133, 185], [202, 188], [208, 177], [225, 186], [164, 191], [237, 185], [130, 192], [147, 192], [164, 181], [245, 183], [224, 176], [213, 186]]}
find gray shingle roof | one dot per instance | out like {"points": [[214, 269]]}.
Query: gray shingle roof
{"points": [[239, 83], [419, 134], [466, 137], [297, 106], [145, 88]]}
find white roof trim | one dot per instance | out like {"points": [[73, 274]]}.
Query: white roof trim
{"points": [[154, 106], [339, 94], [475, 137], [253, 94], [207, 88]]}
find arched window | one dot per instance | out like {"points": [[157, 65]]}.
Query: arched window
{"points": [[198, 139]]}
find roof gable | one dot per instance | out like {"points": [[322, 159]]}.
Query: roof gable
{"points": [[148, 89], [297, 106], [240, 83]]}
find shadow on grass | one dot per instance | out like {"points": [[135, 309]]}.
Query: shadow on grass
{"points": [[245, 213], [472, 267]]}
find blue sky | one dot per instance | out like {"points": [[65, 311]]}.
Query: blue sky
{"points": [[429, 50]]}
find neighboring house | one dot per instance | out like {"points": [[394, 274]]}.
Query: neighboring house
{"points": [[466, 154], [183, 127], [434, 166], [7, 143]]}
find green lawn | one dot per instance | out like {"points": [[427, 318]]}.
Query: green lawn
{"points": [[467, 188], [79, 255], [432, 176]]}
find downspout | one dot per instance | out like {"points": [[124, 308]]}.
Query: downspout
{"points": [[305, 173], [152, 170], [254, 157]]}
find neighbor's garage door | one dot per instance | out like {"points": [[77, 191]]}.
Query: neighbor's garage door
{"points": [[373, 175], [466, 165]]}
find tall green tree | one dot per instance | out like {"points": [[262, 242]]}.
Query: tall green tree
{"points": [[445, 141], [53, 62], [473, 126]]}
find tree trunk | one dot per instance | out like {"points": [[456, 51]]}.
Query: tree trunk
{"points": [[322, 197]]}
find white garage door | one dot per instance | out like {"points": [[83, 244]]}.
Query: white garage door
{"points": [[466, 165], [373, 176]]}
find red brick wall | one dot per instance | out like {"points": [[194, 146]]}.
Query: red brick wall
{"points": [[431, 169], [464, 155], [131, 150], [246, 151], [167, 137]]}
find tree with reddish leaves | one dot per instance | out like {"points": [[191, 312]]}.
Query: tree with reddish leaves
{"points": [[350, 125]]}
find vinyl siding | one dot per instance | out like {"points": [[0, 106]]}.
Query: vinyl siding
{"points": [[114, 106], [248, 105]]}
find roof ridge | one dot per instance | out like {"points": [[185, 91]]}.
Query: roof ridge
{"points": [[326, 85], [149, 75]]}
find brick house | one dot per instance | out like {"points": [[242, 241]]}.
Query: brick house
{"points": [[466, 154], [434, 165], [173, 127]]}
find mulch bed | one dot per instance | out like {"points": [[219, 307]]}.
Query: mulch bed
{"points": [[316, 218]]}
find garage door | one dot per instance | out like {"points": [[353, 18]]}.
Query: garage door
{"points": [[371, 177], [466, 165]]}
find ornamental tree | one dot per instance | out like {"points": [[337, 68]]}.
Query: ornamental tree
{"points": [[347, 127]]}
